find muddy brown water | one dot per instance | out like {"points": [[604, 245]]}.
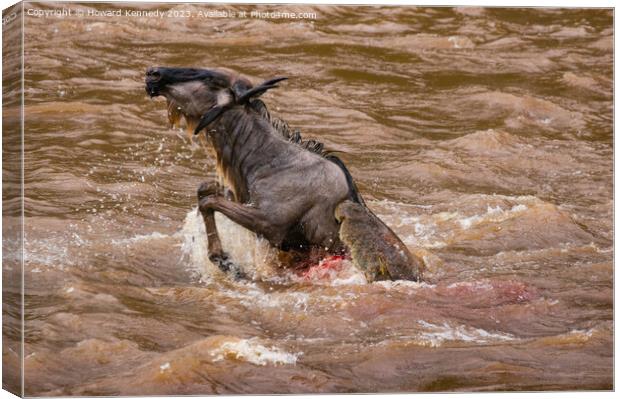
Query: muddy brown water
{"points": [[483, 137]]}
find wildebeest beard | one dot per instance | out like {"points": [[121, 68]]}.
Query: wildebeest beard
{"points": [[285, 189]]}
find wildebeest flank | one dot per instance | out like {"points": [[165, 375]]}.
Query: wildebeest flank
{"points": [[282, 188]]}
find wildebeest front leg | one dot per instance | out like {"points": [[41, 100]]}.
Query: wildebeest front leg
{"points": [[214, 245], [250, 217]]}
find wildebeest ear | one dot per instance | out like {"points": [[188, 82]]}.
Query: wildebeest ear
{"points": [[259, 90]]}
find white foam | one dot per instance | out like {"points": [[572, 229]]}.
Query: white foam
{"points": [[587, 333], [476, 285], [424, 229], [413, 285], [356, 278], [52, 252], [493, 214], [194, 246], [436, 335], [241, 244], [251, 351], [253, 296]]}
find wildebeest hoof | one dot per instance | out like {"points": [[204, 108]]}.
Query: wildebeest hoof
{"points": [[208, 188], [223, 262]]}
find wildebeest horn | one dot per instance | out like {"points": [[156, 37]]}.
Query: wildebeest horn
{"points": [[259, 90], [209, 117], [216, 111]]}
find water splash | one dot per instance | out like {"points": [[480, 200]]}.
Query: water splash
{"points": [[251, 351], [253, 254], [436, 335]]}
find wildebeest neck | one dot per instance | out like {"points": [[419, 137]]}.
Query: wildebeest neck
{"points": [[244, 144]]}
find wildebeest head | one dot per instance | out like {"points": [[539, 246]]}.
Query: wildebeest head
{"points": [[201, 95]]}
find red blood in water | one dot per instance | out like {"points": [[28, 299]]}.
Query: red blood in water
{"points": [[326, 268]]}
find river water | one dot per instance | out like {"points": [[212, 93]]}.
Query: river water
{"points": [[483, 137]]}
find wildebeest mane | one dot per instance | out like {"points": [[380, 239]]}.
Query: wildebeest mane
{"points": [[290, 134], [314, 146]]}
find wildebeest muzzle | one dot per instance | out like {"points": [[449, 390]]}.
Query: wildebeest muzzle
{"points": [[153, 82]]}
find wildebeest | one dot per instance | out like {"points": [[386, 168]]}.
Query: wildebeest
{"points": [[287, 190]]}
